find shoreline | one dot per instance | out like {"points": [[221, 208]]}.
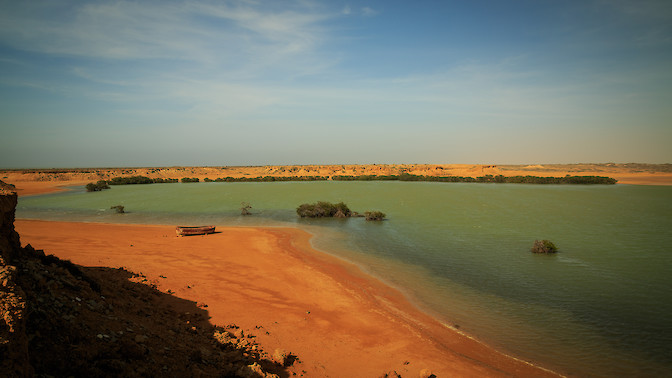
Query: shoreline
{"points": [[336, 318], [35, 181]]}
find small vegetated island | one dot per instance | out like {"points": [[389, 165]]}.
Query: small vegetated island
{"points": [[323, 209], [97, 187], [544, 246]]}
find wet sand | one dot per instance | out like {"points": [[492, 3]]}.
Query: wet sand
{"points": [[339, 321]]}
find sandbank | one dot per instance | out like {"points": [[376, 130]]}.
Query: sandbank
{"points": [[338, 320], [32, 188]]}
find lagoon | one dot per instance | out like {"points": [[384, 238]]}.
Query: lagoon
{"points": [[600, 307]]}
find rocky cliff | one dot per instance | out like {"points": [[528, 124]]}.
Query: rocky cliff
{"points": [[13, 339]]}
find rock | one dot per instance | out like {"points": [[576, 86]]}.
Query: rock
{"points": [[426, 373], [392, 374], [196, 356], [253, 370], [205, 352], [131, 350], [283, 358]]}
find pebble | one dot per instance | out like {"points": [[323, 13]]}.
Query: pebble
{"points": [[426, 373]]}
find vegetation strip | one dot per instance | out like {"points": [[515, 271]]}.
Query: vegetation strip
{"points": [[499, 179]]}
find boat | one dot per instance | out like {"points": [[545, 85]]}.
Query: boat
{"points": [[194, 230]]}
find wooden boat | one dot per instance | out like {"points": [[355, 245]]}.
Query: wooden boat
{"points": [[194, 230]]}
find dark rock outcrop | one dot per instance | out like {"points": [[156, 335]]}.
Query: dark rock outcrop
{"points": [[9, 239], [13, 337]]}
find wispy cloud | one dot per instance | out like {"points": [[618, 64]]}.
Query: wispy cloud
{"points": [[369, 12], [204, 33], [190, 52]]}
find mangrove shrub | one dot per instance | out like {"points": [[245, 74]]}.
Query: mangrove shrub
{"points": [[323, 209], [374, 215], [544, 246], [100, 185], [118, 208]]}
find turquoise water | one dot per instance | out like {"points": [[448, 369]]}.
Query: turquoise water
{"points": [[602, 306]]}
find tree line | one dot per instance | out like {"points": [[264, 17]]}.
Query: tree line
{"points": [[501, 179], [484, 179]]}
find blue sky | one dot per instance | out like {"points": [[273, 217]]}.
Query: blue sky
{"points": [[161, 83]]}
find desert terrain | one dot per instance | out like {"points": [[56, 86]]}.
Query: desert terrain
{"points": [[34, 181]]}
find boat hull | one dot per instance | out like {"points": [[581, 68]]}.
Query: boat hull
{"points": [[194, 230]]}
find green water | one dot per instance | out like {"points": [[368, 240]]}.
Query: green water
{"points": [[602, 306]]}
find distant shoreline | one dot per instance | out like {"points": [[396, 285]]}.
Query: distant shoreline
{"points": [[36, 181]]}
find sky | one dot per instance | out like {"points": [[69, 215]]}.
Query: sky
{"points": [[254, 82]]}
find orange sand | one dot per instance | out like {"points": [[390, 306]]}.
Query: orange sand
{"points": [[27, 181], [31, 188], [339, 321]]}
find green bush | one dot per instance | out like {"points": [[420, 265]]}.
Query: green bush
{"points": [[374, 215], [271, 179], [131, 180], [500, 179], [544, 246], [323, 209], [164, 180], [245, 208], [119, 208], [190, 179], [100, 185]]}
